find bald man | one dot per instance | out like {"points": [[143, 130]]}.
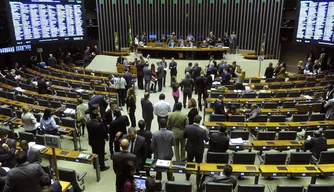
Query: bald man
{"points": [[120, 159]]}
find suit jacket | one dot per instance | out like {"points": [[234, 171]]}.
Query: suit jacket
{"points": [[212, 70], [173, 68], [162, 144], [316, 145], [140, 150], [7, 158], [34, 156], [148, 139], [219, 107], [187, 85], [219, 142], [52, 61], [119, 124], [201, 84], [140, 69], [96, 132], [24, 177], [160, 72], [253, 114], [120, 159], [309, 66], [188, 70], [276, 69], [269, 72], [10, 76], [329, 95], [128, 78], [329, 106], [42, 87], [196, 72], [147, 109], [68, 59], [195, 136], [147, 73], [226, 78], [98, 99]]}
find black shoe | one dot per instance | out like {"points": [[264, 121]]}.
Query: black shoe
{"points": [[187, 177], [104, 168]]}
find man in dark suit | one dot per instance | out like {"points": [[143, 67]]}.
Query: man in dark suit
{"points": [[165, 66], [52, 61], [189, 69], [97, 99], [173, 68], [269, 71], [147, 77], [212, 61], [25, 176], [196, 73], [309, 65], [195, 136], [147, 135], [117, 129], [162, 146], [11, 75], [42, 87], [120, 159], [68, 59], [329, 92], [137, 147], [219, 142], [33, 155], [212, 70], [316, 144], [147, 110], [219, 107], [160, 75], [140, 75], [187, 85], [128, 78], [277, 68], [86, 58], [97, 135], [226, 77], [7, 150], [201, 87]]}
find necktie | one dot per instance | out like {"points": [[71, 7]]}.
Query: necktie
{"points": [[132, 146]]}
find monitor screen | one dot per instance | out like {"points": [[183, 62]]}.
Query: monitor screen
{"points": [[35, 21], [153, 36], [316, 22]]}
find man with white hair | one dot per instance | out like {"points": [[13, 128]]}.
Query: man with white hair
{"points": [[52, 61], [187, 86]]}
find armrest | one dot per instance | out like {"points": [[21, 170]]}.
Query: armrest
{"points": [[82, 176], [261, 159], [314, 159], [270, 189], [254, 137], [300, 137]]}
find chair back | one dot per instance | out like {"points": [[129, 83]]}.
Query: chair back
{"points": [[237, 134], [251, 188], [237, 118], [326, 157], [249, 95], [26, 136], [275, 158], [320, 188], [299, 118], [173, 186], [243, 158], [329, 134], [317, 117], [266, 135], [260, 118], [217, 117], [70, 175], [300, 158], [281, 94], [287, 135], [68, 122], [40, 139], [231, 95], [221, 187], [277, 118], [289, 188], [264, 95], [217, 157], [270, 105]]}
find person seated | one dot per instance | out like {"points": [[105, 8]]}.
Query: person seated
{"points": [[42, 87], [316, 144], [150, 184], [171, 43], [219, 107], [47, 186], [11, 75], [265, 89], [219, 142], [191, 44], [204, 44], [182, 44], [225, 177], [7, 150], [251, 89], [33, 154], [231, 111], [256, 111], [48, 123]]}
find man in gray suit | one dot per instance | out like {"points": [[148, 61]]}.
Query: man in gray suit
{"points": [[187, 85], [147, 78], [160, 75], [256, 111], [33, 155], [162, 146], [329, 107], [25, 176]]}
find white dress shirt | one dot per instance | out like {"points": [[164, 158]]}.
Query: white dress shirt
{"points": [[162, 108]]}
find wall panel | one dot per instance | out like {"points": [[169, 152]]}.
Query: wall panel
{"points": [[249, 18]]}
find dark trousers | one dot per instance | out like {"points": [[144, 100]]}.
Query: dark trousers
{"points": [[161, 118], [140, 83], [176, 99], [148, 123], [190, 157], [159, 84], [132, 118], [164, 78], [82, 130], [121, 96], [185, 95], [98, 148], [113, 143], [33, 132], [158, 176], [200, 95], [147, 85]]}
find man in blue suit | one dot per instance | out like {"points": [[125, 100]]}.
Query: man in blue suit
{"points": [[147, 110], [99, 100]]}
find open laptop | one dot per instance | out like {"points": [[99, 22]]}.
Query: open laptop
{"points": [[140, 183]]}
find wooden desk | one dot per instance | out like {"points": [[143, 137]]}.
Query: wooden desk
{"points": [[326, 169], [110, 94], [21, 104], [287, 110], [274, 170], [257, 100], [64, 185], [257, 125], [233, 125], [70, 155], [238, 170], [78, 74], [276, 144], [304, 171], [188, 170], [301, 125], [269, 111]]}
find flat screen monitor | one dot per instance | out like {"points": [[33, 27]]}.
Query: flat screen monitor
{"points": [[316, 22], [36, 21], [153, 36]]}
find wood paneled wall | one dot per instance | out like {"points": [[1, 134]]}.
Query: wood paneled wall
{"points": [[250, 19]]}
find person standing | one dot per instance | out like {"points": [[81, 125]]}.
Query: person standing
{"points": [[127, 175], [140, 74], [226, 78], [147, 110], [193, 111], [162, 146], [269, 71], [29, 121], [122, 90], [154, 79], [196, 73], [195, 136], [165, 66], [177, 121], [128, 78], [82, 117], [233, 43], [309, 65], [147, 78], [117, 129], [147, 135], [52, 61], [201, 87], [173, 68], [100, 101], [97, 136], [219, 107], [329, 92], [175, 91], [86, 58], [131, 106], [161, 108], [187, 85], [136, 44], [160, 75], [189, 69], [277, 68]]}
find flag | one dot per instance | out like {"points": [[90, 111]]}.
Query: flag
{"points": [[130, 33], [263, 44], [116, 41]]}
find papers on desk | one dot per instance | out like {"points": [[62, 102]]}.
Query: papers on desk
{"points": [[36, 146], [238, 91], [308, 97], [84, 156], [17, 77], [79, 90], [6, 168], [19, 89], [69, 111], [179, 164], [163, 163], [237, 141]]}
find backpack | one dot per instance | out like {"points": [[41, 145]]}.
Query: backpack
{"points": [[81, 117]]}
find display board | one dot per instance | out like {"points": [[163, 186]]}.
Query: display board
{"points": [[316, 22], [35, 21]]}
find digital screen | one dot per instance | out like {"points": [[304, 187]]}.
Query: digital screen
{"points": [[152, 36], [316, 22], [36, 21]]}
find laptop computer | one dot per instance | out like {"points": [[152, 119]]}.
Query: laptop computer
{"points": [[140, 182]]}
